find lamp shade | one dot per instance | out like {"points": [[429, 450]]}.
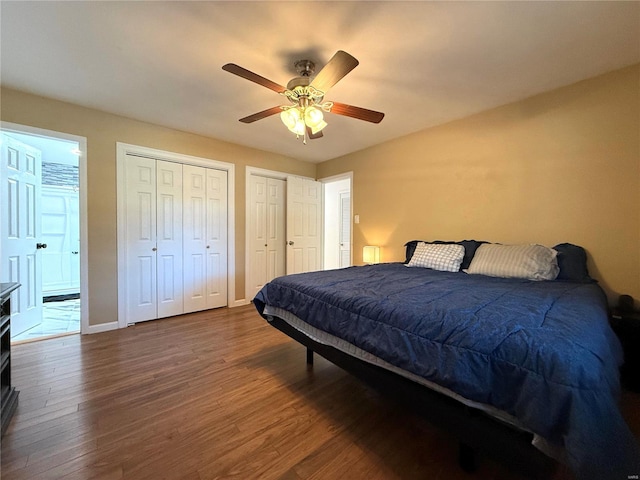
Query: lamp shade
{"points": [[371, 254], [297, 119], [293, 120], [289, 117], [314, 119]]}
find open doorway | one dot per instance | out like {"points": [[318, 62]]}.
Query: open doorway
{"points": [[41, 183], [337, 222]]}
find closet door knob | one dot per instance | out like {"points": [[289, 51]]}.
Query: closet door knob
{"points": [[290, 242], [154, 249], [40, 245]]}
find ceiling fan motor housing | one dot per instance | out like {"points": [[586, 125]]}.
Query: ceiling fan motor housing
{"points": [[298, 82], [305, 68]]}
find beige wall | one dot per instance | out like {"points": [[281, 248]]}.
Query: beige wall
{"points": [[102, 131], [563, 166]]}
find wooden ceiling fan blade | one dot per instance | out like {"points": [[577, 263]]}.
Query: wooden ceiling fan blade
{"points": [[339, 65], [260, 115], [313, 136], [253, 77], [357, 112]]}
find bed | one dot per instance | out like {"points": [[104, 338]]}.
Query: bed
{"points": [[513, 359]]}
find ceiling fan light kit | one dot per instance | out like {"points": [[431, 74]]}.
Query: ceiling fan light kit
{"points": [[305, 116], [297, 119]]}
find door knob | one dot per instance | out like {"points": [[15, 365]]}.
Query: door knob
{"points": [[41, 245], [75, 253], [290, 242], [154, 249]]}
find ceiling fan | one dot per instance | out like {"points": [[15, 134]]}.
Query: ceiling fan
{"points": [[304, 115]]}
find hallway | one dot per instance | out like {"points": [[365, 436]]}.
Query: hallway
{"points": [[58, 318]]}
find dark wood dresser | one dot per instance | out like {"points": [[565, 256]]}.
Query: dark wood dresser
{"points": [[9, 395]]}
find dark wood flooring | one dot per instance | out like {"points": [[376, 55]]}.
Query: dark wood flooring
{"points": [[214, 395]]}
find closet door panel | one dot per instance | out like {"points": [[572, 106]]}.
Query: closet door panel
{"points": [[169, 239], [176, 238], [257, 234], [216, 241], [266, 231], [140, 235], [195, 236]]}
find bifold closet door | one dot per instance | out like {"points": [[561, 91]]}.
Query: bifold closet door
{"points": [[205, 238], [266, 231], [154, 238], [217, 238], [169, 239]]}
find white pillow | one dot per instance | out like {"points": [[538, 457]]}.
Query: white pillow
{"points": [[533, 262], [444, 257]]}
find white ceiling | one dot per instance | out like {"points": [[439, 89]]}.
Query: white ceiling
{"points": [[422, 63]]}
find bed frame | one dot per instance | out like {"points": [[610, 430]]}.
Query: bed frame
{"points": [[475, 431]]}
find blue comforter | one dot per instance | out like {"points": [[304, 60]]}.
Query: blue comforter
{"points": [[540, 351]]}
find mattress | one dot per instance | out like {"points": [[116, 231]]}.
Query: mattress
{"points": [[541, 354]]}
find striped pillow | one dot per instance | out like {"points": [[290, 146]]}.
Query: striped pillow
{"points": [[446, 257], [533, 262]]}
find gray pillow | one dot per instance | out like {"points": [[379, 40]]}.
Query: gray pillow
{"points": [[533, 262], [444, 257]]}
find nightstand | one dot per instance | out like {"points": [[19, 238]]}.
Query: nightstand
{"points": [[626, 324]]}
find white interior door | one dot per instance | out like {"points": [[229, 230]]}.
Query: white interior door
{"points": [[217, 237], [140, 238], [169, 239], [205, 238], [257, 235], [21, 174], [276, 227], [304, 225], [345, 229], [266, 231], [195, 238]]}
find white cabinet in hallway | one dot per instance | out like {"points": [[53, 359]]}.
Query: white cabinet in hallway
{"points": [[61, 234]]}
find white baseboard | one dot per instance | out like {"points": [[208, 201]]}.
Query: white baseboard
{"points": [[240, 303], [105, 327], [102, 327]]}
